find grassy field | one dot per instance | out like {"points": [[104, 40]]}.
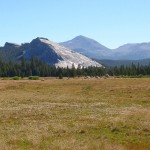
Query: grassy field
{"points": [[75, 114]]}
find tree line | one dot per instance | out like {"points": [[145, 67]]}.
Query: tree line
{"points": [[36, 67]]}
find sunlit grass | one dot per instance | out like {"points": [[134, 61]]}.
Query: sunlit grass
{"points": [[75, 114]]}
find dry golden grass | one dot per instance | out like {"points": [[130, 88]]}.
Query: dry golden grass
{"points": [[75, 114]]}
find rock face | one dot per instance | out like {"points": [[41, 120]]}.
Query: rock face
{"points": [[47, 51], [55, 54], [41, 50], [88, 47]]}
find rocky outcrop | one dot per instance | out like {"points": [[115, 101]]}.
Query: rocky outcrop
{"points": [[47, 51], [11, 45], [55, 54]]}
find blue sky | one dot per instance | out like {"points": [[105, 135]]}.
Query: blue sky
{"points": [[110, 22]]}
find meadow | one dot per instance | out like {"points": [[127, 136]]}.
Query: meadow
{"points": [[75, 114]]}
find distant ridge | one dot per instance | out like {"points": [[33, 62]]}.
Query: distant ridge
{"points": [[132, 51], [93, 49], [82, 47]]}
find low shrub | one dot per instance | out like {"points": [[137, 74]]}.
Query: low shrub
{"points": [[60, 76], [16, 78], [33, 77]]}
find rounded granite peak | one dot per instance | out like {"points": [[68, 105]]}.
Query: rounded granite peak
{"points": [[39, 40]]}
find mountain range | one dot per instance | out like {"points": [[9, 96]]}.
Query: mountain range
{"points": [[80, 51], [95, 50], [48, 51]]}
